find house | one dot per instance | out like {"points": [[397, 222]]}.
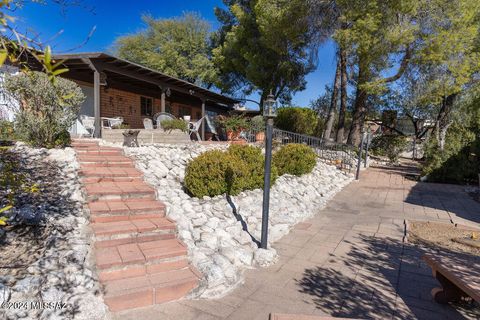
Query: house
{"points": [[116, 87]]}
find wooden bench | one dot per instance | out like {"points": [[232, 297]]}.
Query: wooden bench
{"points": [[458, 274], [281, 316]]}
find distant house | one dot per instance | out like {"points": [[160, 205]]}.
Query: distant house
{"points": [[118, 88]]}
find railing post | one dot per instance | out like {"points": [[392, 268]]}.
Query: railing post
{"points": [[359, 162]]}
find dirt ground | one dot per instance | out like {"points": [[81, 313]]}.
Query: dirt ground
{"points": [[440, 235]]}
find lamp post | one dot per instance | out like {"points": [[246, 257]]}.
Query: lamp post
{"points": [[269, 112]]}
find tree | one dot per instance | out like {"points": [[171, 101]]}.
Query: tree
{"points": [[47, 109], [375, 34], [20, 48], [343, 96], [444, 64], [263, 46], [448, 56], [178, 47], [333, 102]]}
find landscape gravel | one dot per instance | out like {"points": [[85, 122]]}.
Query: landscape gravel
{"points": [[222, 232], [46, 267]]}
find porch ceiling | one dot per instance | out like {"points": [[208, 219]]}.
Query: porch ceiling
{"points": [[135, 75]]}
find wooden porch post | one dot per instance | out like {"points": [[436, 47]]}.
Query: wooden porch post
{"points": [[96, 103], [203, 119], [162, 101]]}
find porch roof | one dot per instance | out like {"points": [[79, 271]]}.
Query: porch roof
{"points": [[81, 65]]}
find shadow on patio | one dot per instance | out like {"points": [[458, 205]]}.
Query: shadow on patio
{"points": [[379, 278]]}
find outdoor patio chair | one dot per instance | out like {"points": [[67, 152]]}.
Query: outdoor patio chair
{"points": [[161, 116], [148, 123], [211, 127], [109, 123], [88, 123], [193, 128]]}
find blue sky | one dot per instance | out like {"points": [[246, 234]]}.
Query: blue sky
{"points": [[65, 31]]}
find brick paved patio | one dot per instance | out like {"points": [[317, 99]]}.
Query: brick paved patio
{"points": [[348, 261]]}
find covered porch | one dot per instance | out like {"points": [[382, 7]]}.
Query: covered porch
{"points": [[116, 88]]}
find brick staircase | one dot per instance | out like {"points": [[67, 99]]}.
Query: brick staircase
{"points": [[139, 260]]}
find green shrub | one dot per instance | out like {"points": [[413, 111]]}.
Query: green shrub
{"points": [[389, 145], [459, 162], [298, 120], [174, 124], [215, 172], [47, 110], [7, 131], [255, 161], [62, 140], [295, 159], [233, 123], [257, 123]]}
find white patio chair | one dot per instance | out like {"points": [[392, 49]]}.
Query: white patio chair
{"points": [[211, 127], [161, 116], [148, 123], [193, 128], [109, 123], [88, 123]]}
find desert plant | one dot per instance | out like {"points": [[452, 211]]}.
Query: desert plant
{"points": [[7, 131], [47, 109], [389, 145], [174, 124], [257, 123], [121, 126], [233, 123], [255, 161], [215, 172], [295, 159]]}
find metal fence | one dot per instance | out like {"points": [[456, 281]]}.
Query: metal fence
{"points": [[342, 155]]}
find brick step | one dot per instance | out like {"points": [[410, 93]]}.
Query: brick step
{"points": [[148, 290], [97, 150], [119, 190], [89, 180], [107, 164], [136, 239], [121, 210], [137, 253], [138, 270], [109, 172], [135, 228], [102, 158], [84, 144]]}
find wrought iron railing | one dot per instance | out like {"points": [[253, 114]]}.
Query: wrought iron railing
{"points": [[342, 155]]}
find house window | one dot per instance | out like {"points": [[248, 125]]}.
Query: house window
{"points": [[146, 106]]}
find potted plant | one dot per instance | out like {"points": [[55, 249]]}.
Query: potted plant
{"points": [[258, 126], [174, 124], [233, 126]]}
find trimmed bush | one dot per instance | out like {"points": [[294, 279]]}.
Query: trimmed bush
{"points": [[295, 159], [255, 160], [215, 172], [389, 145]]}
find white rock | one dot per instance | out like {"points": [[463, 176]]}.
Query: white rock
{"points": [[265, 257]]}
